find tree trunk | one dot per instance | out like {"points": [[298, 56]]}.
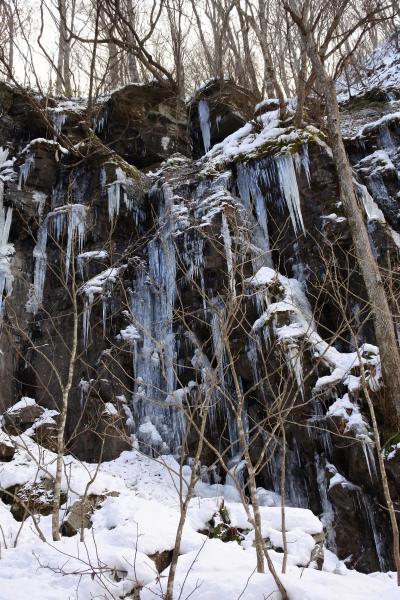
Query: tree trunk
{"points": [[272, 80], [301, 92], [67, 58], [185, 504], [261, 549], [132, 67], [11, 41], [55, 522], [283, 496], [61, 47], [113, 65]]}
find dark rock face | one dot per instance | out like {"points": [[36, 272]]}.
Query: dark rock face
{"points": [[144, 123], [365, 553], [217, 110], [392, 465], [377, 162], [20, 118], [136, 252]]}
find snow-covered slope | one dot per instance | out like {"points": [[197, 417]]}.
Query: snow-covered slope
{"points": [[379, 76], [138, 518]]}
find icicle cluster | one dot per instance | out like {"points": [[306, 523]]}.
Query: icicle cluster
{"points": [[6, 251]]}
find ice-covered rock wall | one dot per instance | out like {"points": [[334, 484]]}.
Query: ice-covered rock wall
{"points": [[205, 278]]}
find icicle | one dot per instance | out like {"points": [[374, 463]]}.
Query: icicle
{"points": [[290, 190], [83, 259], [252, 355], [328, 515], [75, 214], [317, 427], [101, 121], [99, 285], [152, 309], [5, 218], [76, 224], [302, 162], [58, 117], [40, 199], [35, 297], [305, 162], [293, 356], [218, 346], [116, 192], [114, 198], [297, 492], [84, 387], [193, 255], [368, 450], [228, 253], [372, 210], [205, 125], [236, 472], [369, 512], [249, 190], [57, 221], [385, 139], [104, 314], [262, 218], [57, 195], [24, 171], [87, 309]]}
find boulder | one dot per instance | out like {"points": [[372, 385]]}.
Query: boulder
{"points": [[218, 109], [22, 415], [38, 164], [22, 114], [7, 448], [79, 514], [46, 430], [162, 560], [317, 553], [34, 498], [144, 123]]}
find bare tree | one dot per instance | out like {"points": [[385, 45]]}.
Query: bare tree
{"points": [[63, 81]]}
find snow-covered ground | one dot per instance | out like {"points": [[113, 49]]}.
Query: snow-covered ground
{"points": [[140, 520]]}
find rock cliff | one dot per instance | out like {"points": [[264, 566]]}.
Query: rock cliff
{"points": [[201, 241]]}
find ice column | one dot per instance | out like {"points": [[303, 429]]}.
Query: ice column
{"points": [[6, 250], [205, 125], [290, 190], [39, 254]]}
